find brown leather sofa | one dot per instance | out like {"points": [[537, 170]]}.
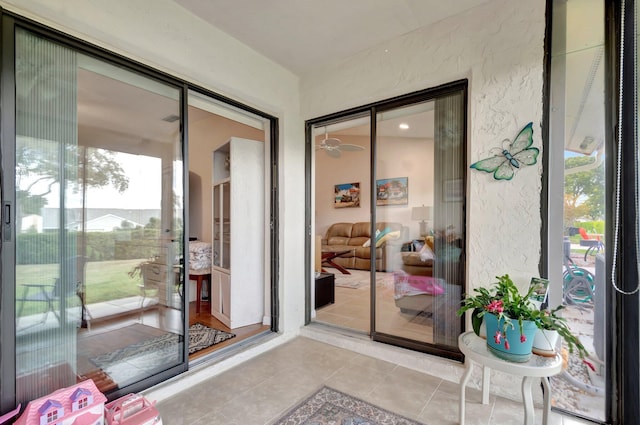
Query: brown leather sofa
{"points": [[351, 237]]}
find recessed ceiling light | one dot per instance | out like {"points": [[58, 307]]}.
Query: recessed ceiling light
{"points": [[403, 126]]}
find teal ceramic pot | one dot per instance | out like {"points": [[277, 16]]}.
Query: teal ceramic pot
{"points": [[517, 351]]}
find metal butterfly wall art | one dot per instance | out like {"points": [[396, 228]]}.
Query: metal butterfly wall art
{"points": [[511, 156]]}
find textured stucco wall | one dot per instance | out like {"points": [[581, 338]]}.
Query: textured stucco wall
{"points": [[165, 36], [498, 47]]}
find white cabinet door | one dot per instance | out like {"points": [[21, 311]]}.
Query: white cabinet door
{"points": [[220, 296], [216, 300], [225, 291]]}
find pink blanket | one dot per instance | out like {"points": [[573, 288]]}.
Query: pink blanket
{"points": [[408, 285]]}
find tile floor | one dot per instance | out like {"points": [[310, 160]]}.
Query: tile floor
{"points": [[351, 308], [261, 389]]}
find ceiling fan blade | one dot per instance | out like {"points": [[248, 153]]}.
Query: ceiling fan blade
{"points": [[335, 153], [350, 147]]}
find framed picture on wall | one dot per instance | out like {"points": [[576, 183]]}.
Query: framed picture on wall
{"points": [[393, 191], [346, 195]]}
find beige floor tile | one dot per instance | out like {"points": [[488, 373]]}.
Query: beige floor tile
{"points": [[405, 392], [262, 389], [356, 380]]}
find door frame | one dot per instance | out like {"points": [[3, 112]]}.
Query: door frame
{"points": [[371, 110]]}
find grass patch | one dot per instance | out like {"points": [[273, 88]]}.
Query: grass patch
{"points": [[105, 281]]}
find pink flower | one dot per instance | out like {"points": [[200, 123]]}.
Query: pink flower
{"points": [[495, 306], [523, 338], [506, 344], [497, 337], [591, 366]]}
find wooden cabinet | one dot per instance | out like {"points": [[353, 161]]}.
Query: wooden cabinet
{"points": [[237, 276]]}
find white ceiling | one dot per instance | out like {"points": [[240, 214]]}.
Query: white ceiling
{"points": [[301, 35]]}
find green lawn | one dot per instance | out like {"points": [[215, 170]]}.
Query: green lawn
{"points": [[105, 280]]}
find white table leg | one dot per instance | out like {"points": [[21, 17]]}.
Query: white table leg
{"points": [[527, 399], [463, 389], [486, 375], [546, 408]]}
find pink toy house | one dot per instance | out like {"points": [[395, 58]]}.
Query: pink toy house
{"points": [[80, 404]]}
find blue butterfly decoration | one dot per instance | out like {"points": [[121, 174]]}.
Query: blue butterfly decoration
{"points": [[504, 164]]}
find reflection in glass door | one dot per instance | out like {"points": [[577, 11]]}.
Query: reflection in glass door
{"points": [[419, 212], [98, 222]]}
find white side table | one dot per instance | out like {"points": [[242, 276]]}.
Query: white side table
{"points": [[475, 350]]}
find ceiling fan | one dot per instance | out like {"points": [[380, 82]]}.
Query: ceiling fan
{"points": [[333, 146]]}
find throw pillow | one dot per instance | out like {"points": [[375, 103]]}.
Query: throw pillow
{"points": [[426, 253], [382, 233], [388, 236], [368, 241]]}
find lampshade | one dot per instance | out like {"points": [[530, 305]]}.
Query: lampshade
{"points": [[422, 213]]}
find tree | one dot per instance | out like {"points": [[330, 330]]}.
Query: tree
{"points": [[583, 190], [38, 171]]}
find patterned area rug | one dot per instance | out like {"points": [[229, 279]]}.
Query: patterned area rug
{"points": [[329, 406], [146, 357], [202, 336]]}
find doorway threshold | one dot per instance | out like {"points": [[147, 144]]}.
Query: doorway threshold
{"points": [[231, 350]]}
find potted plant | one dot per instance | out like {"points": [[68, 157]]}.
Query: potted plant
{"points": [[502, 307], [549, 323]]}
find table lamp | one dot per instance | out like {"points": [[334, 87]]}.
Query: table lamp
{"points": [[422, 214]]}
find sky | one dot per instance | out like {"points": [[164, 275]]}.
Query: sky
{"points": [[144, 190]]}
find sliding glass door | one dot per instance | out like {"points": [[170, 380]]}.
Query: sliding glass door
{"points": [[97, 218], [390, 240], [419, 199]]}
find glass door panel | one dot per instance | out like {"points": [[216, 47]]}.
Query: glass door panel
{"points": [[577, 268], [99, 222], [342, 221], [419, 193]]}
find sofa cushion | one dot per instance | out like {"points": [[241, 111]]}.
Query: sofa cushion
{"points": [[359, 241], [339, 230], [361, 229], [362, 252], [338, 240]]}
